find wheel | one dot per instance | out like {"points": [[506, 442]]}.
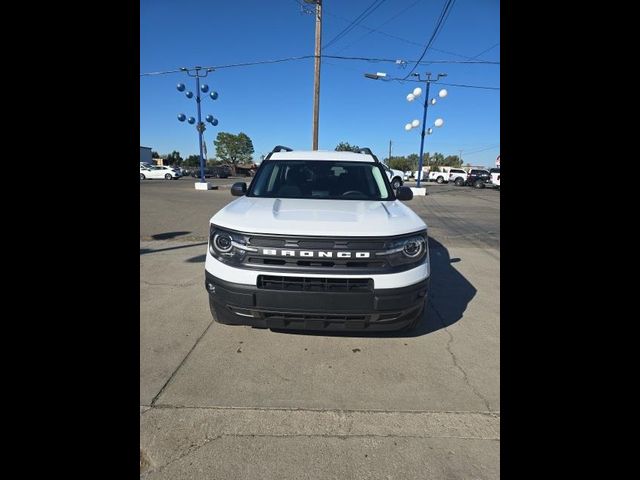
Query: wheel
{"points": [[142, 177], [459, 181], [440, 180], [168, 176], [396, 184], [479, 184]]}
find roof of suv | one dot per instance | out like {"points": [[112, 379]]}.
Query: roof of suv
{"points": [[322, 155]]}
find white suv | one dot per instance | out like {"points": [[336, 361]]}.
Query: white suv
{"points": [[318, 241]]}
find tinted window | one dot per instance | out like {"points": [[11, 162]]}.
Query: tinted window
{"points": [[320, 179]]}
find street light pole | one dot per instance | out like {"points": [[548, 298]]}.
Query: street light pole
{"points": [[200, 124], [200, 127], [424, 124]]}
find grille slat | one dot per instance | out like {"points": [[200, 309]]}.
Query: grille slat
{"points": [[310, 284]]}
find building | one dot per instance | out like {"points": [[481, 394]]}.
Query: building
{"points": [[145, 155]]}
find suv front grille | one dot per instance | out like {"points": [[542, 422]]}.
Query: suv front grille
{"points": [[308, 284]]}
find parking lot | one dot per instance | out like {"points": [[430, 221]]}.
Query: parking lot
{"points": [[232, 402]]}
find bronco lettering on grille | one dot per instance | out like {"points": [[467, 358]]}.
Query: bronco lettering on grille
{"points": [[314, 253]]}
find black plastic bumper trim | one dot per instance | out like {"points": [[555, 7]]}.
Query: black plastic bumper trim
{"points": [[381, 309]]}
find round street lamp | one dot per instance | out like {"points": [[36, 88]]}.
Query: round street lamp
{"points": [[198, 73], [415, 123]]}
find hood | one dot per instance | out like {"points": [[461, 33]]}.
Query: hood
{"points": [[288, 216]]}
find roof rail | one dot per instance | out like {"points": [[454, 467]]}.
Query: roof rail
{"points": [[278, 148], [367, 151]]}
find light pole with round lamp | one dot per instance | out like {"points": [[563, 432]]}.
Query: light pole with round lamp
{"points": [[438, 123], [198, 73]]}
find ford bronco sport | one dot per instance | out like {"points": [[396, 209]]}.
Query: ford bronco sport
{"points": [[318, 241]]}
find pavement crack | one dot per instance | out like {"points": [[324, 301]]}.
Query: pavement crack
{"points": [[455, 360], [191, 450], [153, 402]]}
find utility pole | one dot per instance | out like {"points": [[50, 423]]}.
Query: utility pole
{"points": [[460, 157], [316, 82], [389, 151]]}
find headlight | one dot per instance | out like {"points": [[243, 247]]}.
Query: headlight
{"points": [[228, 246], [222, 242], [406, 250]]}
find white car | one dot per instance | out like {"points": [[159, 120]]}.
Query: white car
{"points": [[158, 171], [395, 176]]}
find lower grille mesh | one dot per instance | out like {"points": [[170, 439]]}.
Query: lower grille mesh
{"points": [[308, 284]]}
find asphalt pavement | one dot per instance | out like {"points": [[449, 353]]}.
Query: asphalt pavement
{"points": [[232, 402]]}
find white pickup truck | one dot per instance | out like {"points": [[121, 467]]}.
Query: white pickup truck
{"points": [[319, 241], [438, 177], [495, 177], [396, 177]]}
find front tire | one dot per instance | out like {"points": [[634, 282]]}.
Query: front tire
{"points": [[459, 182], [479, 184], [168, 176], [440, 180], [142, 177], [396, 184]]}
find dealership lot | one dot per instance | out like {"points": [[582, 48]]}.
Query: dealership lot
{"points": [[230, 402]]}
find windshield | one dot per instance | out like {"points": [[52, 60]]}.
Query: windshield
{"points": [[320, 179]]}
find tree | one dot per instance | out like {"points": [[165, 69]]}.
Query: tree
{"points": [[346, 147], [154, 154], [174, 158], [233, 148], [453, 161], [192, 161]]}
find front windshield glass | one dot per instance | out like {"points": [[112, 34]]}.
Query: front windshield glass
{"points": [[320, 179]]}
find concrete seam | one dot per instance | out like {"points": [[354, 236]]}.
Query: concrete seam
{"points": [[181, 363]]}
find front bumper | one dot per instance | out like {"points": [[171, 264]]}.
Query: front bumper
{"points": [[376, 310]]}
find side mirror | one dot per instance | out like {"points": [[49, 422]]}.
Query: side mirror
{"points": [[404, 193], [238, 189]]}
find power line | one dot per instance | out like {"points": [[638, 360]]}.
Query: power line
{"points": [[219, 67], [402, 80], [337, 57], [468, 86], [439, 25], [367, 11], [394, 60], [381, 25], [482, 150], [485, 51]]}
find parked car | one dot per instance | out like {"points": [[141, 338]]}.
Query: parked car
{"points": [[457, 176], [318, 241], [438, 177], [423, 177], [208, 172], [159, 171], [395, 176], [495, 177], [478, 178]]}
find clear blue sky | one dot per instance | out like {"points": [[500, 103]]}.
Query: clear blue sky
{"points": [[273, 103]]}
